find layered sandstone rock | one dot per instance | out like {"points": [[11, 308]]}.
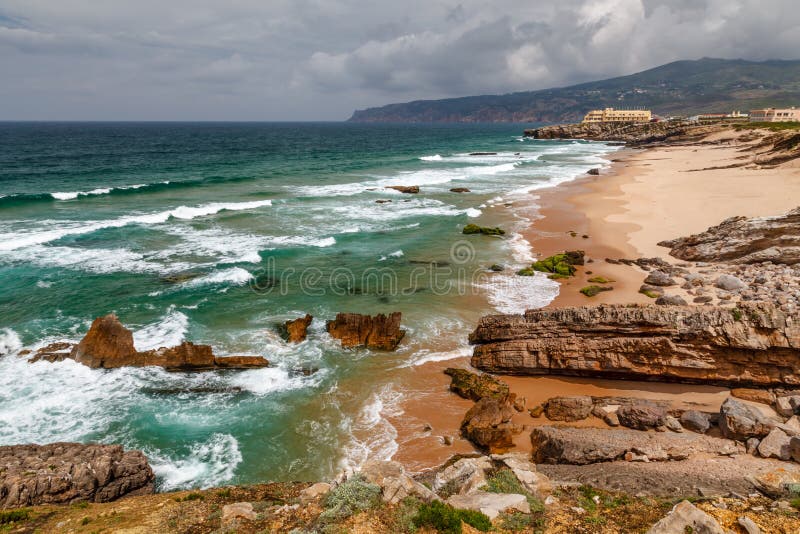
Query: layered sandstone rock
{"points": [[296, 330], [109, 345], [581, 446], [61, 473], [753, 344], [744, 240], [355, 330]]}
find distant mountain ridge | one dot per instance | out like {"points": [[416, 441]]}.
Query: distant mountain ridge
{"points": [[678, 88]]}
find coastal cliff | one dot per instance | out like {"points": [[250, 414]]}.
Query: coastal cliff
{"points": [[753, 344]]}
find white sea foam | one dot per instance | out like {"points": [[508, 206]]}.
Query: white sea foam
{"points": [[307, 241], [425, 356], [515, 294], [472, 212], [58, 229], [167, 332], [72, 195], [100, 261], [234, 275], [9, 342], [210, 463], [372, 436], [435, 157]]}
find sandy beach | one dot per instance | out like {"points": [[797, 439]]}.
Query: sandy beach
{"points": [[643, 196]]}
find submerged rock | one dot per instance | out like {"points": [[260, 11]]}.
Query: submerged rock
{"points": [[756, 344], [412, 189], [459, 190], [380, 332], [485, 230], [296, 329], [62, 473]]}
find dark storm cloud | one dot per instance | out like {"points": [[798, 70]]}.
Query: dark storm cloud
{"points": [[319, 59]]}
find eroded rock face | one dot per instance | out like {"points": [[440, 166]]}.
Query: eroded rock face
{"points": [[109, 345], [61, 473], [296, 330], [754, 344], [355, 330], [744, 240], [581, 446]]}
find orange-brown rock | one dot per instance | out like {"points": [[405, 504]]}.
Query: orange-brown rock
{"points": [[355, 330], [296, 329], [108, 345], [411, 189], [488, 424], [62, 473], [753, 344]]}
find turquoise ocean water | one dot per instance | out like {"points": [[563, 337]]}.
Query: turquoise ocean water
{"points": [[216, 233]]}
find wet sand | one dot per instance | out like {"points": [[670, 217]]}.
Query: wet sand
{"points": [[643, 197]]}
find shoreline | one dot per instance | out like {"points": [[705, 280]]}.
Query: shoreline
{"points": [[644, 196]]}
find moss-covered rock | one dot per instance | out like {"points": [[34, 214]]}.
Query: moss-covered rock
{"points": [[556, 264], [496, 267], [485, 230], [593, 290], [600, 280], [475, 387], [527, 271]]}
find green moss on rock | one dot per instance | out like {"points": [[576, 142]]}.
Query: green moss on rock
{"points": [[591, 291], [600, 280], [485, 230]]}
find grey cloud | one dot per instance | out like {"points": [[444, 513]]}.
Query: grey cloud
{"points": [[320, 59]]}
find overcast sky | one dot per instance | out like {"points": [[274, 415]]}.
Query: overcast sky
{"points": [[321, 59]]}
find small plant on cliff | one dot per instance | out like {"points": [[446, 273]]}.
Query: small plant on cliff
{"points": [[737, 314], [447, 520], [350, 497], [12, 516]]}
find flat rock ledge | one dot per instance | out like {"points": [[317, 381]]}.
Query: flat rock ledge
{"points": [[62, 473], [580, 446], [109, 345], [753, 344]]}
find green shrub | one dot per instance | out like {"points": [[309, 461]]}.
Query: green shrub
{"points": [[504, 481], [519, 522], [591, 291], [350, 497], [737, 314], [224, 493], [447, 520], [12, 516], [403, 518]]}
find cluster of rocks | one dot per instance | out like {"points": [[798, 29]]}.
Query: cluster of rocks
{"points": [[379, 332], [63, 473], [109, 345], [754, 344]]}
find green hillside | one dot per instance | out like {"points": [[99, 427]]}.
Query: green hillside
{"points": [[679, 88]]}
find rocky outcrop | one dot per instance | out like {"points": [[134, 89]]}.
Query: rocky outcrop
{"points": [[395, 484], [629, 133], [753, 344], [739, 420], [488, 424], [355, 330], [109, 345], [411, 189], [62, 473], [473, 386], [744, 240], [686, 517], [580, 446], [296, 330]]}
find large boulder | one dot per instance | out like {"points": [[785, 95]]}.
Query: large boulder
{"points": [[62, 473], [641, 416], [395, 484], [686, 517], [466, 475], [580, 446], [742, 240], [756, 344], [475, 386], [777, 483], [568, 408], [696, 421], [488, 424], [775, 445], [355, 330], [107, 344], [739, 420], [296, 330], [660, 279]]}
